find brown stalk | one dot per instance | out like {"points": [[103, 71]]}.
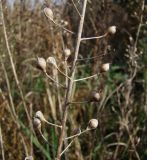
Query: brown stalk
{"points": [[70, 82]]}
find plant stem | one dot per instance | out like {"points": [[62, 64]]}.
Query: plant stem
{"points": [[70, 82], [81, 79], [55, 125], [77, 135], [98, 37]]}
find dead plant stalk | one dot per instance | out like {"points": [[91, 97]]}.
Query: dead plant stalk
{"points": [[70, 81]]}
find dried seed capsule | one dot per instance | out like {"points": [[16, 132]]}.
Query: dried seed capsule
{"points": [[41, 64], [67, 52], [48, 12], [105, 67], [52, 61], [37, 123], [94, 96], [93, 123], [40, 116], [112, 30]]}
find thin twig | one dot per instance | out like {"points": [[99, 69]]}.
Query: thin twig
{"points": [[66, 147], [48, 76], [81, 79], [60, 26], [55, 125], [76, 8], [98, 37], [63, 73], [77, 135]]}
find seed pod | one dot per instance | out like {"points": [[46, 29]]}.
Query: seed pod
{"points": [[41, 63], [52, 61], [40, 116], [94, 96], [67, 52], [105, 67], [93, 123], [112, 30], [48, 12], [37, 123]]}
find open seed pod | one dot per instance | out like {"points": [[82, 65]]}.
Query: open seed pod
{"points": [[93, 123]]}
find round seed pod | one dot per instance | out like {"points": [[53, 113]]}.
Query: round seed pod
{"points": [[52, 61], [67, 52], [93, 123], [37, 123], [41, 64], [40, 116], [94, 96], [48, 12], [112, 29], [105, 67]]}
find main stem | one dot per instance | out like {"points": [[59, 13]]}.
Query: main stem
{"points": [[70, 82]]}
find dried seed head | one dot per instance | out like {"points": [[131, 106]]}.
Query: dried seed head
{"points": [[37, 123], [52, 61], [112, 29], [48, 12], [41, 64], [105, 67], [67, 52], [93, 123], [40, 116], [94, 96]]}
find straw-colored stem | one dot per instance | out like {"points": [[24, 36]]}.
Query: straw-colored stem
{"points": [[48, 76], [70, 82], [63, 73], [52, 124], [77, 135], [97, 37], [60, 26], [66, 148], [81, 79]]}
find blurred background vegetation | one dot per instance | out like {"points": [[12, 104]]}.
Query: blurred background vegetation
{"points": [[122, 111]]}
